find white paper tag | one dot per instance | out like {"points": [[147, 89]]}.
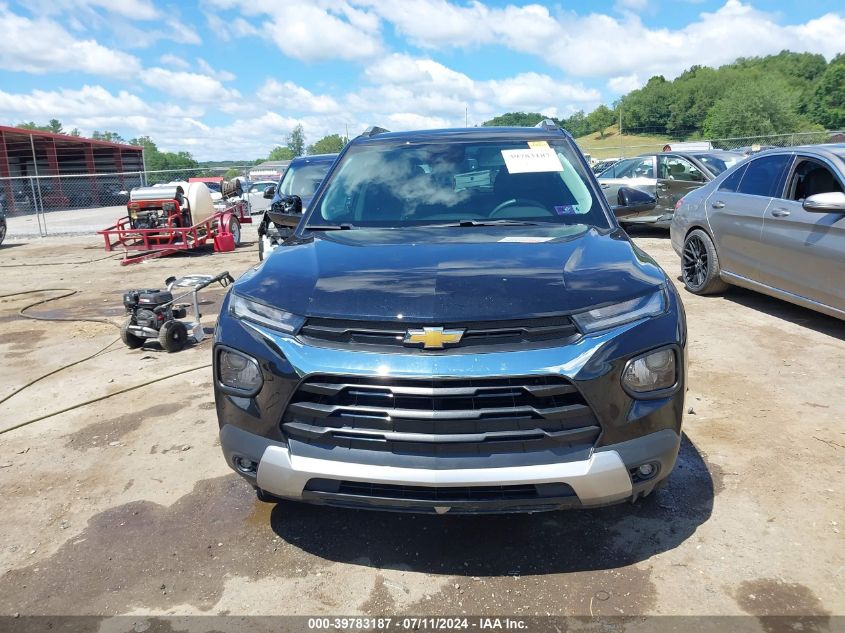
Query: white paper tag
{"points": [[529, 161], [526, 239]]}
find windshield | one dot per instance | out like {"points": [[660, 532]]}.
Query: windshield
{"points": [[303, 180], [383, 185], [717, 163]]}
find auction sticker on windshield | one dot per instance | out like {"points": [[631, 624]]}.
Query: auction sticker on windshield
{"points": [[529, 161]]}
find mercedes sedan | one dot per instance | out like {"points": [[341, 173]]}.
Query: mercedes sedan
{"points": [[775, 224]]}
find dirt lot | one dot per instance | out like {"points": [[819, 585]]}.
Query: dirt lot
{"points": [[126, 505]]}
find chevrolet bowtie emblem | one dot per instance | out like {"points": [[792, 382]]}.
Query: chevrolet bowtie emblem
{"points": [[433, 337]]}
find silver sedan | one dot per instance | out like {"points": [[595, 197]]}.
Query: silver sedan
{"points": [[774, 223]]}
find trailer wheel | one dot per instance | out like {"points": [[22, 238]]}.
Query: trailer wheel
{"points": [[235, 230], [130, 340], [173, 336]]}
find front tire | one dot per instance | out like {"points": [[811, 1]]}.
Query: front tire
{"points": [[700, 265], [235, 230], [173, 336], [130, 340]]}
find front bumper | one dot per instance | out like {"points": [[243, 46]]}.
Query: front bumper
{"points": [[601, 479], [633, 431]]}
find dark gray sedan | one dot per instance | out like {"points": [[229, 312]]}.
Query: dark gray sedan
{"points": [[774, 223], [668, 176]]}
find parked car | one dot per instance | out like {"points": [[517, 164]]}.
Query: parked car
{"points": [[301, 179], [602, 165], [254, 194], [667, 176], [458, 324], [775, 223]]}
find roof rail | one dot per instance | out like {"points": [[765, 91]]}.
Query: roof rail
{"points": [[374, 130], [547, 124]]}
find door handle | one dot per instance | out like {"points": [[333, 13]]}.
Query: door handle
{"points": [[718, 205], [780, 213], [604, 185]]}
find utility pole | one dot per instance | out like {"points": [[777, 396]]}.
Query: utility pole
{"points": [[621, 140], [466, 116]]}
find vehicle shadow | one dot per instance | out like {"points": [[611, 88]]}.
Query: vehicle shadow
{"points": [[644, 230], [784, 310], [497, 545]]}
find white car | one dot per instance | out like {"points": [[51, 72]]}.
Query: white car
{"points": [[255, 196]]}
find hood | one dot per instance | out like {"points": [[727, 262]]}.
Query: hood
{"points": [[449, 275]]}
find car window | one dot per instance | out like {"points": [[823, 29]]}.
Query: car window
{"points": [[717, 163], [642, 167], [731, 183], [763, 176], [389, 185], [303, 180], [677, 168], [810, 177]]}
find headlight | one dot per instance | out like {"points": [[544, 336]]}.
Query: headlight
{"points": [[238, 372], [651, 372], [262, 314], [620, 313]]}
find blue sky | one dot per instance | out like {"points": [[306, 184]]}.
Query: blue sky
{"points": [[230, 78]]}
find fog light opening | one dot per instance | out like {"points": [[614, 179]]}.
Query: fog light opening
{"points": [[644, 472], [245, 466]]}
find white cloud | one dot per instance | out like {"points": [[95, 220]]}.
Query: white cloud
{"points": [[600, 45], [133, 9], [631, 5], [174, 61], [308, 31], [293, 98], [187, 86], [624, 83], [222, 75], [41, 45]]}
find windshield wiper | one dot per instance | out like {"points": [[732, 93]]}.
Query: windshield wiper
{"points": [[329, 227], [503, 222]]}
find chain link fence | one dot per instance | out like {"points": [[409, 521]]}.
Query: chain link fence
{"points": [[84, 203], [614, 148]]}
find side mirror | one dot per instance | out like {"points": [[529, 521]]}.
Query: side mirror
{"points": [[292, 205], [831, 202], [269, 192], [630, 200]]}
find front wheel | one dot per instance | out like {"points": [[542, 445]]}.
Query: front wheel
{"points": [[700, 265], [173, 336], [235, 230], [129, 339]]}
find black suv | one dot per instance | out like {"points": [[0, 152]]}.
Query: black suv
{"points": [[458, 324]]}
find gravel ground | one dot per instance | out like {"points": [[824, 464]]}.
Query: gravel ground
{"points": [[125, 506]]}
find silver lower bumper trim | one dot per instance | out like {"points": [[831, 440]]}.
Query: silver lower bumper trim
{"points": [[601, 479]]}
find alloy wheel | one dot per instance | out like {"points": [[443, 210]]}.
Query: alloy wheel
{"points": [[696, 263]]}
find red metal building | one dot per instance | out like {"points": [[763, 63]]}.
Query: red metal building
{"points": [[58, 160]]}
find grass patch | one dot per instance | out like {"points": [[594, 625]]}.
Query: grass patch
{"points": [[614, 145]]}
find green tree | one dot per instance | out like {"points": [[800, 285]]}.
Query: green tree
{"points": [[295, 141], [576, 124], [754, 109], [280, 153], [828, 103], [74, 132], [600, 119], [156, 160], [55, 126], [111, 137], [648, 109], [516, 119], [330, 144]]}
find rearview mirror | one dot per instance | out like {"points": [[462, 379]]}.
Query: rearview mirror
{"points": [[831, 202], [269, 192], [287, 212], [630, 200]]}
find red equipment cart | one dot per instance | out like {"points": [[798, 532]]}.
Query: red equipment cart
{"points": [[160, 222]]}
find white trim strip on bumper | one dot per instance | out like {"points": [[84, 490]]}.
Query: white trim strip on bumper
{"points": [[603, 478]]}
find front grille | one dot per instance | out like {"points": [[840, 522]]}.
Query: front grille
{"points": [[441, 493], [441, 417], [477, 334]]}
